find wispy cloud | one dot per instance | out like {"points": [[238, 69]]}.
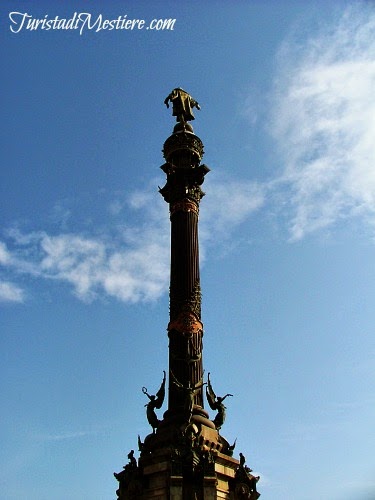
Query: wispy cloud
{"points": [[9, 292], [64, 436], [229, 204], [131, 272], [323, 120], [4, 254], [130, 261]]}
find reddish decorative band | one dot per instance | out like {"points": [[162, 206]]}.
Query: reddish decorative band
{"points": [[186, 323], [184, 206]]}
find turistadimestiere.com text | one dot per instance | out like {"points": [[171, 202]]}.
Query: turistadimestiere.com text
{"points": [[83, 21]]}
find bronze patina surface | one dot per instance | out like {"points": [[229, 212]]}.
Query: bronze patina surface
{"points": [[185, 457]]}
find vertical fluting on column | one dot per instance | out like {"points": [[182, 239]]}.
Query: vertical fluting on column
{"points": [[185, 328], [184, 260]]}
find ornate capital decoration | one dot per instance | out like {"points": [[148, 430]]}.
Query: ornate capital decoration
{"points": [[183, 182]]}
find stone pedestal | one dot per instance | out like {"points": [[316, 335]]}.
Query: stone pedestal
{"points": [[194, 466]]}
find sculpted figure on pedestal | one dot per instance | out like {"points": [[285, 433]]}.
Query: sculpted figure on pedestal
{"points": [[182, 105], [216, 403], [155, 403]]}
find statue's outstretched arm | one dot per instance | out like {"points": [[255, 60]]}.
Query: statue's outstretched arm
{"points": [[226, 395]]}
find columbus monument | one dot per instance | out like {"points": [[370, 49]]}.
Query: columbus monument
{"points": [[185, 456]]}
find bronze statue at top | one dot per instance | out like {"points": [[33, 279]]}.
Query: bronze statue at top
{"points": [[183, 104]]}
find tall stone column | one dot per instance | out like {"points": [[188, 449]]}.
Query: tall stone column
{"points": [[185, 457], [183, 151]]}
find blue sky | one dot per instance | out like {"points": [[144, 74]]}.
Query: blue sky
{"points": [[286, 232]]}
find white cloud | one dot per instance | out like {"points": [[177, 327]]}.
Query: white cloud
{"points": [[4, 254], [115, 207], [228, 205], [9, 292], [130, 272], [132, 263], [324, 123]]}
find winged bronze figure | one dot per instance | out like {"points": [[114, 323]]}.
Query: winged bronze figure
{"points": [[156, 402], [216, 403]]}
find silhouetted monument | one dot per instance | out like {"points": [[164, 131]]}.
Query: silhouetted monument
{"points": [[185, 457]]}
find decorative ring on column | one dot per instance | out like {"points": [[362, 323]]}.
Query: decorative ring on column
{"points": [[184, 206], [186, 323]]}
